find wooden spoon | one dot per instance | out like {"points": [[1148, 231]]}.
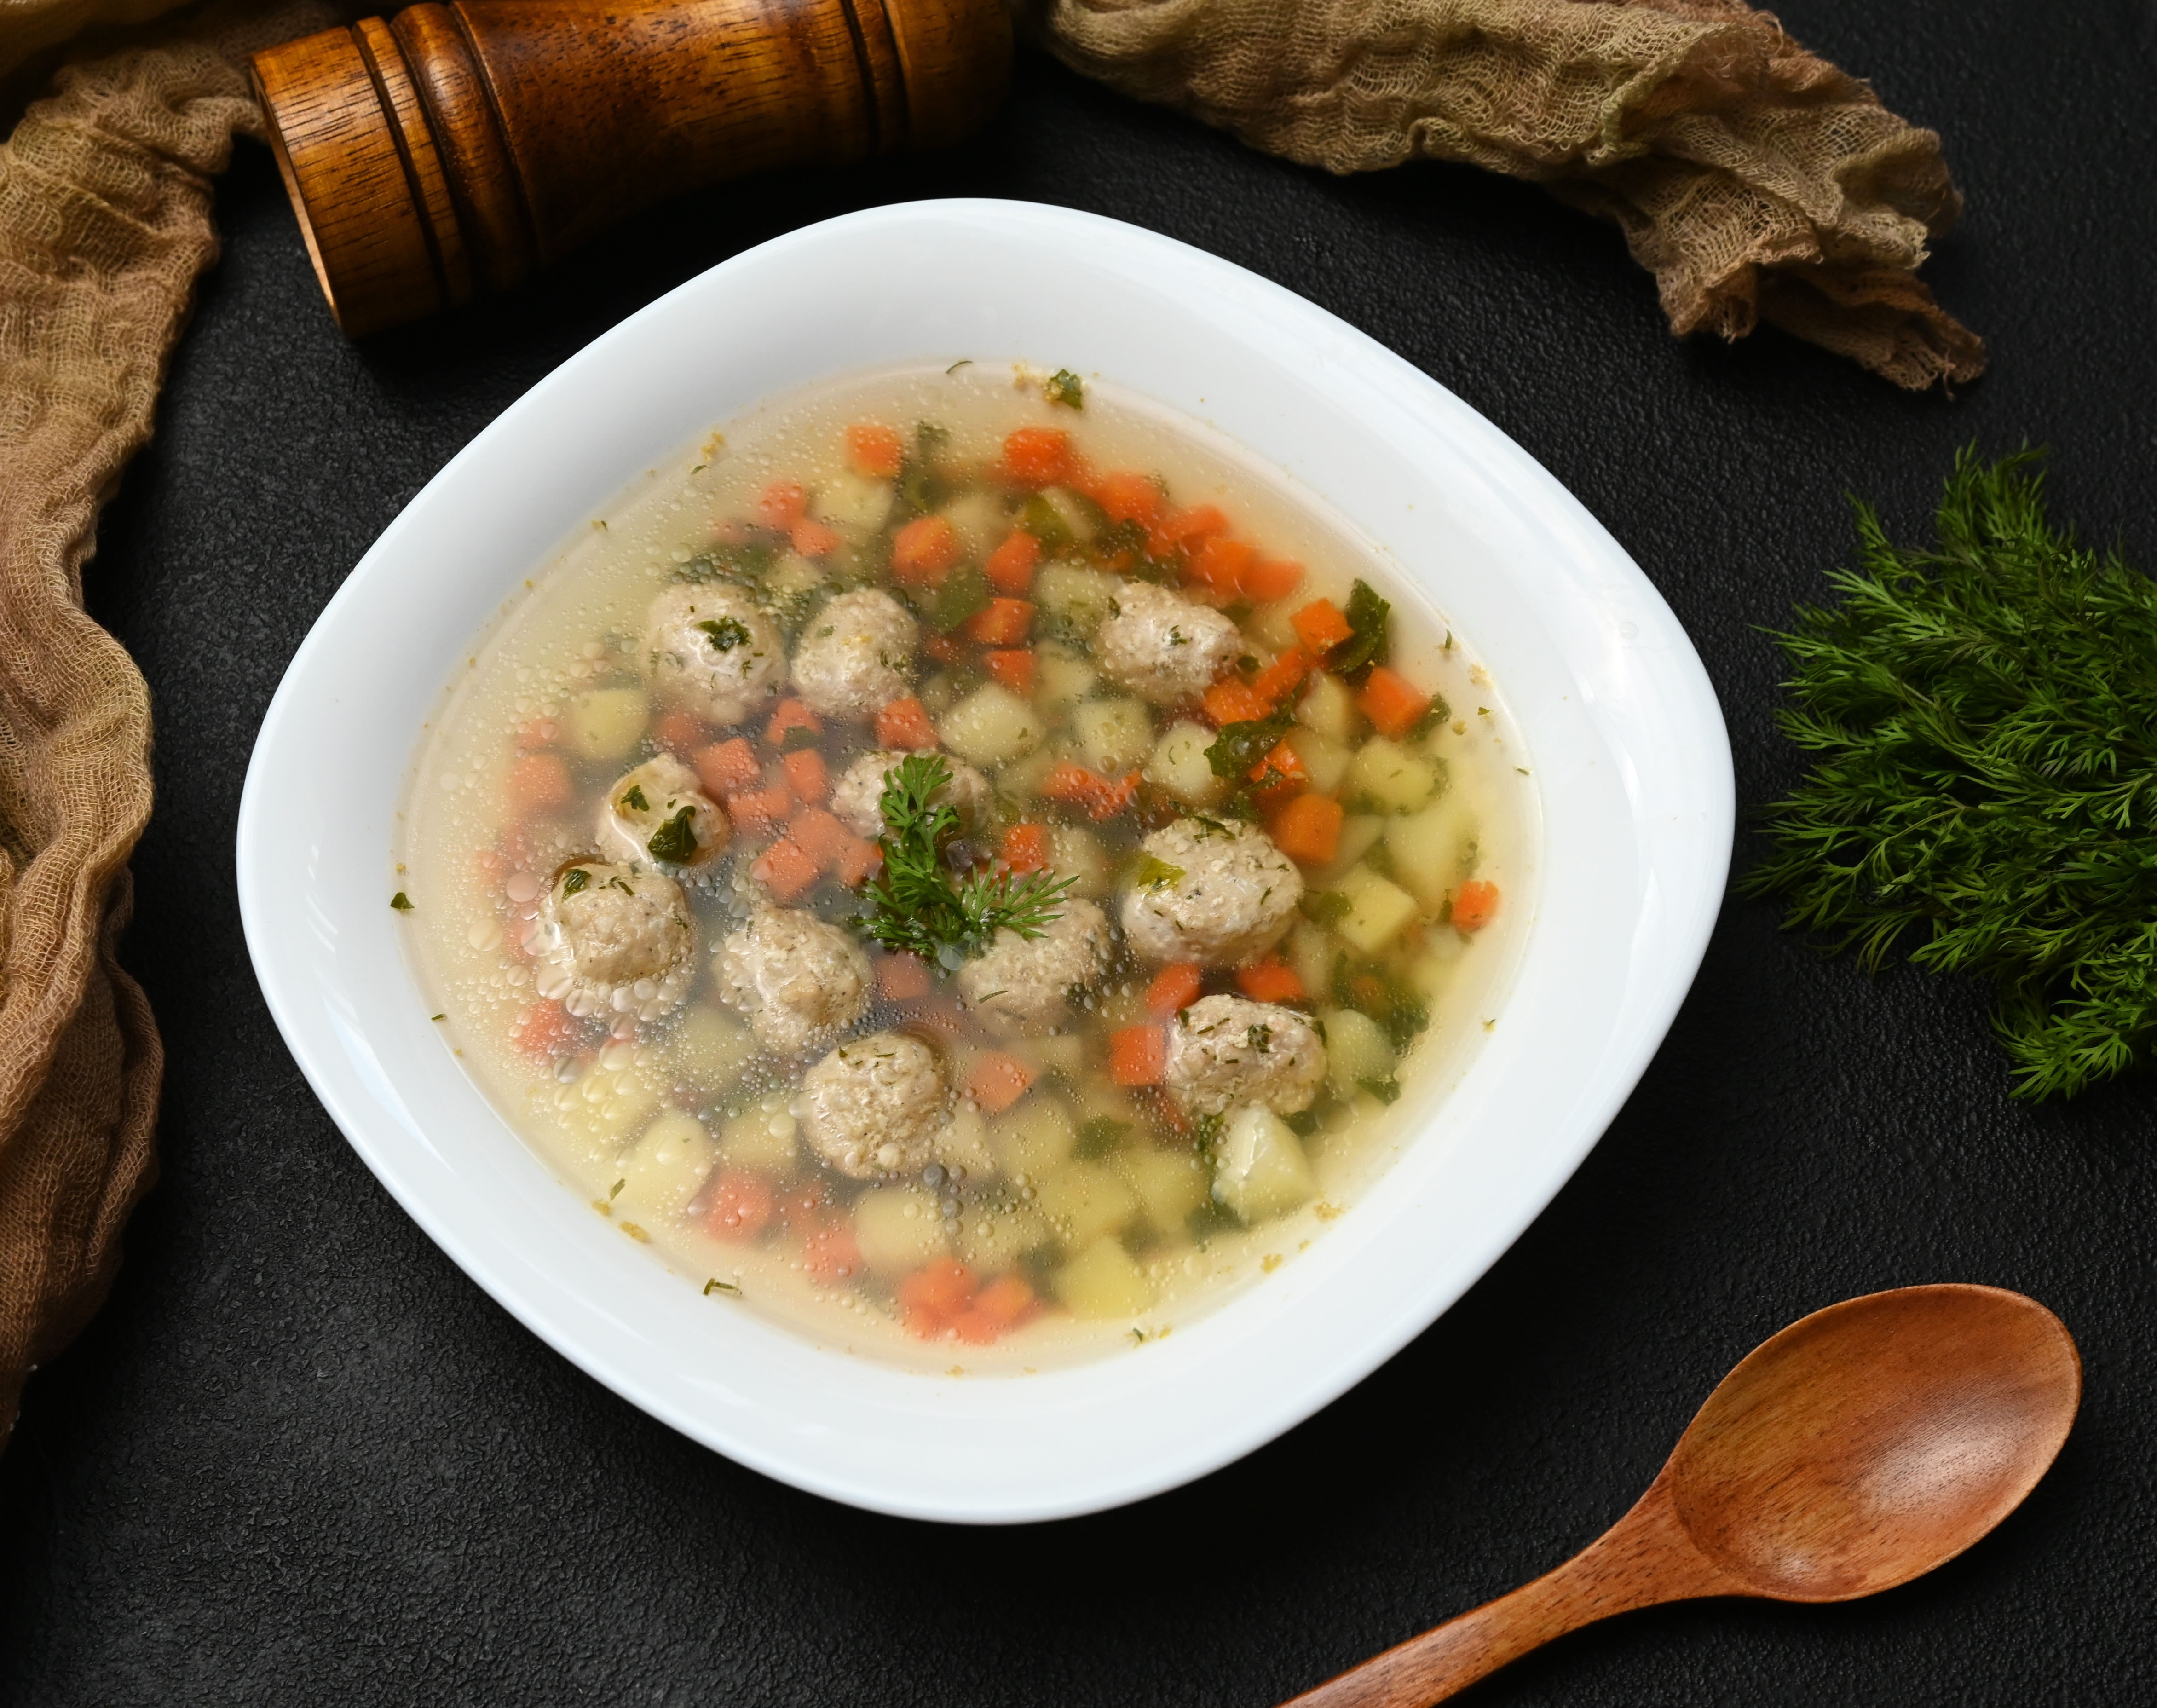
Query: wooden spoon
{"points": [[1857, 1449]]}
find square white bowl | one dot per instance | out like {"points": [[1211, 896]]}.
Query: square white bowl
{"points": [[1629, 752]]}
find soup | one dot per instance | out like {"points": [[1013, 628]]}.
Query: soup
{"points": [[966, 863]]}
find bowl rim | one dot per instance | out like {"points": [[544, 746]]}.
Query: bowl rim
{"points": [[311, 904]]}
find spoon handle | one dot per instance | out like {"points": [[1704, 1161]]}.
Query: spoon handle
{"points": [[1645, 1558]]}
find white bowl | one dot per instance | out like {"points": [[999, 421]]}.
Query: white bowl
{"points": [[1628, 747]]}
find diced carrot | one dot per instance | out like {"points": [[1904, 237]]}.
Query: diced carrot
{"points": [[1128, 498], [1283, 765], [904, 724], [998, 1081], [901, 978], [935, 1294], [1037, 456], [819, 835], [1283, 676], [1232, 702], [1219, 564], [1174, 989], [1010, 567], [806, 774], [1101, 797], [1026, 848], [537, 733], [545, 1031], [1474, 903], [812, 539], [1390, 700], [1270, 981], [1185, 528], [1321, 626], [729, 767], [1005, 623], [1137, 1055], [792, 715], [800, 1204], [1016, 669], [832, 1254], [874, 448], [538, 782], [923, 550], [1003, 1305], [761, 811], [678, 733], [945, 649], [1309, 829], [782, 504], [736, 1205], [785, 868], [858, 863], [1265, 581]]}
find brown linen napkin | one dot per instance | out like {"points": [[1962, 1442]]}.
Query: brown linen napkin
{"points": [[105, 222], [1753, 179]]}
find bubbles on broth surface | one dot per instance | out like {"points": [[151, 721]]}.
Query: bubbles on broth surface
{"points": [[1265, 900]]}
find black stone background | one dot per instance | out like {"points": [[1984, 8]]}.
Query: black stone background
{"points": [[300, 1459]]}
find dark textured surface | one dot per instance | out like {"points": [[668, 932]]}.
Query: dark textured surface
{"points": [[300, 1459]]}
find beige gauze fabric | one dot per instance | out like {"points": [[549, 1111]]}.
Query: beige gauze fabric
{"points": [[105, 224], [1756, 181]]}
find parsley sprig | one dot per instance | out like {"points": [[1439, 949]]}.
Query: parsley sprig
{"points": [[913, 906], [1983, 720]]}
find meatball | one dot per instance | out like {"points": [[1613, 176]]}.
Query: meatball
{"points": [[656, 815], [1214, 891], [874, 1106], [855, 655], [712, 652], [1161, 645], [856, 796], [1224, 1051], [613, 938], [799, 981], [1024, 984]]}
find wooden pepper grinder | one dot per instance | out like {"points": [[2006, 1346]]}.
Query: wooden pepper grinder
{"points": [[456, 147]]}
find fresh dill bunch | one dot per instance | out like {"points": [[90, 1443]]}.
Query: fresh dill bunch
{"points": [[913, 906], [1983, 717]]}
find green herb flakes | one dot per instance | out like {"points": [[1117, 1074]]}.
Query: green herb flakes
{"points": [[635, 800], [1369, 616], [574, 880], [716, 1285], [1982, 719], [1240, 748], [401, 902], [674, 842], [725, 633], [1066, 388]]}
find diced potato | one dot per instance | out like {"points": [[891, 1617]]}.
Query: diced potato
{"points": [[662, 1170], [1260, 1171], [855, 501], [1076, 522], [1084, 1201], [1179, 764], [1388, 773], [1170, 1185], [1077, 597], [1032, 1138], [993, 1238], [1020, 780], [1329, 708], [1324, 758], [1312, 952], [607, 722], [1377, 908], [1065, 680], [1434, 849], [1102, 1282], [1115, 736], [1359, 834], [1274, 625], [1079, 854], [792, 583], [1432, 972], [898, 1228], [979, 521], [761, 1137], [1357, 1051], [712, 1046], [938, 694], [992, 726], [609, 1104], [963, 1142], [1065, 1055]]}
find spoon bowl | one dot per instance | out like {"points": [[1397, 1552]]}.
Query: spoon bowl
{"points": [[1857, 1449], [1871, 1442]]}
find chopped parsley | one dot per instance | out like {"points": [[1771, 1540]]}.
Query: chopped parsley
{"points": [[1240, 748], [1259, 1038], [965, 593], [635, 800], [1066, 388], [576, 878], [401, 902], [674, 842], [1367, 616], [1151, 871], [726, 633]]}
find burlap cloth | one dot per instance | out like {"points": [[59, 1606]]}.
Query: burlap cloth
{"points": [[1755, 181]]}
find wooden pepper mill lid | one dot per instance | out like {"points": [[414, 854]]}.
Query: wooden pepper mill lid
{"points": [[455, 147]]}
